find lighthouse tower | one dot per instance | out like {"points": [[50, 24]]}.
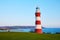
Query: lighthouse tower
{"points": [[38, 28]]}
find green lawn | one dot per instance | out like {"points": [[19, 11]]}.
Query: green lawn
{"points": [[27, 36]]}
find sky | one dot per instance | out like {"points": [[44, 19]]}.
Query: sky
{"points": [[22, 12]]}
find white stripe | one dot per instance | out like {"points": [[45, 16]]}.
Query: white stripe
{"points": [[37, 18], [37, 10], [38, 27]]}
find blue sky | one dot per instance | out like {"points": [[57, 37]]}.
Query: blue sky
{"points": [[22, 12]]}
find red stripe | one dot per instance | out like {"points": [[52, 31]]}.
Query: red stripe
{"points": [[38, 31], [38, 22], [37, 14]]}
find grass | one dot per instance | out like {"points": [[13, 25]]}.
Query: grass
{"points": [[27, 36]]}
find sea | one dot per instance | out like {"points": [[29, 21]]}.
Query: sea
{"points": [[30, 29]]}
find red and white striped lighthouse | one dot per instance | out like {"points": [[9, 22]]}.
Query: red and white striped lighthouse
{"points": [[38, 28]]}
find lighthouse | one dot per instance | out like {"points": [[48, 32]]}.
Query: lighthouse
{"points": [[38, 27]]}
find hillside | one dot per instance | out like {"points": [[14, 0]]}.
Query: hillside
{"points": [[27, 36]]}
